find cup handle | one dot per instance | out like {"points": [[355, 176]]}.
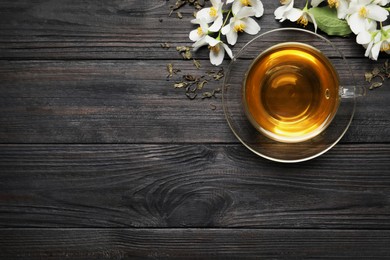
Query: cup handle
{"points": [[352, 91]]}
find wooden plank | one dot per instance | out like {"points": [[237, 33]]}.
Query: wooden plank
{"points": [[88, 29], [132, 102], [192, 186], [192, 243]]}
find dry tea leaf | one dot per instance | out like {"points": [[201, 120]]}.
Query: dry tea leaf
{"points": [[368, 76], [185, 52], [196, 64], [179, 15], [178, 4], [191, 96], [219, 75], [207, 94], [165, 45], [181, 48], [212, 106], [375, 85], [171, 70], [180, 85], [189, 77], [201, 84]]}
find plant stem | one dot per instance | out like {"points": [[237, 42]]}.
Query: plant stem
{"points": [[224, 22]]}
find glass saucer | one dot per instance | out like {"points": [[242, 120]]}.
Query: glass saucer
{"points": [[255, 140]]}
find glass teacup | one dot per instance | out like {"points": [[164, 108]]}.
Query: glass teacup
{"points": [[294, 100]]}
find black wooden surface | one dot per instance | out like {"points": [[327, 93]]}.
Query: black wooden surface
{"points": [[100, 157]]}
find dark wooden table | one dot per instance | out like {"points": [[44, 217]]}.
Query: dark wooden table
{"points": [[100, 157]]}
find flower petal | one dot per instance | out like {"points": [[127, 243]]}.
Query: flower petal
{"points": [[356, 23], [377, 13], [229, 1], [315, 3], [231, 37], [194, 36], [251, 26], [236, 7], [216, 58], [245, 12], [342, 9], [294, 14], [211, 41], [204, 14], [201, 42], [279, 12], [228, 50], [363, 37], [375, 50], [217, 24], [368, 49], [258, 7], [227, 28]]}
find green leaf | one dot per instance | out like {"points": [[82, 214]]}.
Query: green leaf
{"points": [[328, 22]]}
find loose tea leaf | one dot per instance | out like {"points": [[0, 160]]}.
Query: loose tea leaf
{"points": [[368, 76], [180, 85], [219, 75], [212, 106], [189, 77], [191, 96], [165, 45], [378, 72], [179, 15], [196, 63], [201, 84], [181, 48], [375, 85], [178, 4], [171, 70], [185, 52]]}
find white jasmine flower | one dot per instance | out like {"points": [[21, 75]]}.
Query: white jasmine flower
{"points": [[302, 17], [211, 14], [375, 41], [241, 22], [340, 5], [282, 12], [361, 10], [201, 31], [257, 6], [217, 49]]}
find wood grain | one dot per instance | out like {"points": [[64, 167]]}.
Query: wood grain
{"points": [[191, 186], [87, 29], [193, 243], [132, 102]]}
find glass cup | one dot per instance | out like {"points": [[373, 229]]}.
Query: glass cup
{"points": [[253, 127]]}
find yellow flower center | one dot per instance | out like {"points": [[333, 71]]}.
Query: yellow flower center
{"points": [[246, 2], [239, 27], [213, 12], [215, 48], [284, 2], [200, 31], [385, 46], [333, 3], [303, 20], [363, 12]]}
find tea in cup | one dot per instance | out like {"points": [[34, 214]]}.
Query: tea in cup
{"points": [[291, 92]]}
